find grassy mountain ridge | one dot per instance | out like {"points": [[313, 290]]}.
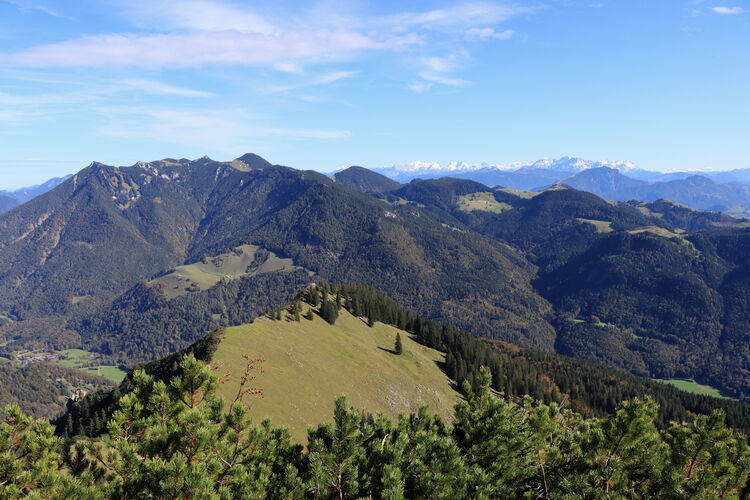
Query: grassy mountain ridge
{"points": [[308, 364], [309, 359]]}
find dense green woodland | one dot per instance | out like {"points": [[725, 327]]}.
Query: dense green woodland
{"points": [[177, 439], [43, 388]]}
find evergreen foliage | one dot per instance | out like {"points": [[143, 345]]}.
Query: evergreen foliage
{"points": [[328, 310], [178, 439], [398, 347], [81, 416]]}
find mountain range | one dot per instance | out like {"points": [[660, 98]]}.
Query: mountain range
{"points": [[564, 166], [10, 199], [727, 192], [134, 263]]}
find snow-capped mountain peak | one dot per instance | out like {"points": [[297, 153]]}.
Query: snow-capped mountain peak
{"points": [[574, 165], [566, 164]]}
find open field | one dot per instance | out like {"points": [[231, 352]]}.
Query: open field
{"points": [[694, 387], [113, 373], [78, 358], [245, 260], [74, 358], [602, 226], [310, 363], [527, 195], [658, 231], [481, 201]]}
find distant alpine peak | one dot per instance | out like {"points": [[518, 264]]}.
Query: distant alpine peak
{"points": [[564, 164], [574, 164], [420, 166]]}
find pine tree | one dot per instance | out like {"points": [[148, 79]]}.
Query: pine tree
{"points": [[337, 455], [175, 440], [68, 426], [398, 347], [486, 428], [296, 307], [328, 311], [30, 460], [314, 296]]}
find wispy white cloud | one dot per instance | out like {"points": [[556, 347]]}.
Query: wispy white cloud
{"points": [[440, 64], [438, 70], [190, 34], [489, 33], [443, 79], [324, 79], [728, 10], [460, 15], [199, 49], [195, 15], [227, 130], [72, 96], [27, 6], [200, 33], [154, 87]]}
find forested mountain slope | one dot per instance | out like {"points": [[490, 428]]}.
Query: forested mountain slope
{"points": [[138, 262], [629, 285], [81, 250], [364, 180]]}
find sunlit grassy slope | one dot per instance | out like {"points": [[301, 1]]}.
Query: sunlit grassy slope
{"points": [[309, 363], [245, 260], [481, 201], [602, 226], [694, 387]]}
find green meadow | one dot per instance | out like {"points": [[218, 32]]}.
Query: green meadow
{"points": [[310, 363]]}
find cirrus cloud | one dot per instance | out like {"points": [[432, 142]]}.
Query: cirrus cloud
{"points": [[199, 49], [226, 130], [728, 10]]}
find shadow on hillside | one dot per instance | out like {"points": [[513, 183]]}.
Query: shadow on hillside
{"points": [[390, 351]]}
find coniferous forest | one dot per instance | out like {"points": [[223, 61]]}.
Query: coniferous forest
{"points": [[177, 439]]}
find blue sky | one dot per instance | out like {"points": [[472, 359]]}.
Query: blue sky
{"points": [[663, 83]]}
